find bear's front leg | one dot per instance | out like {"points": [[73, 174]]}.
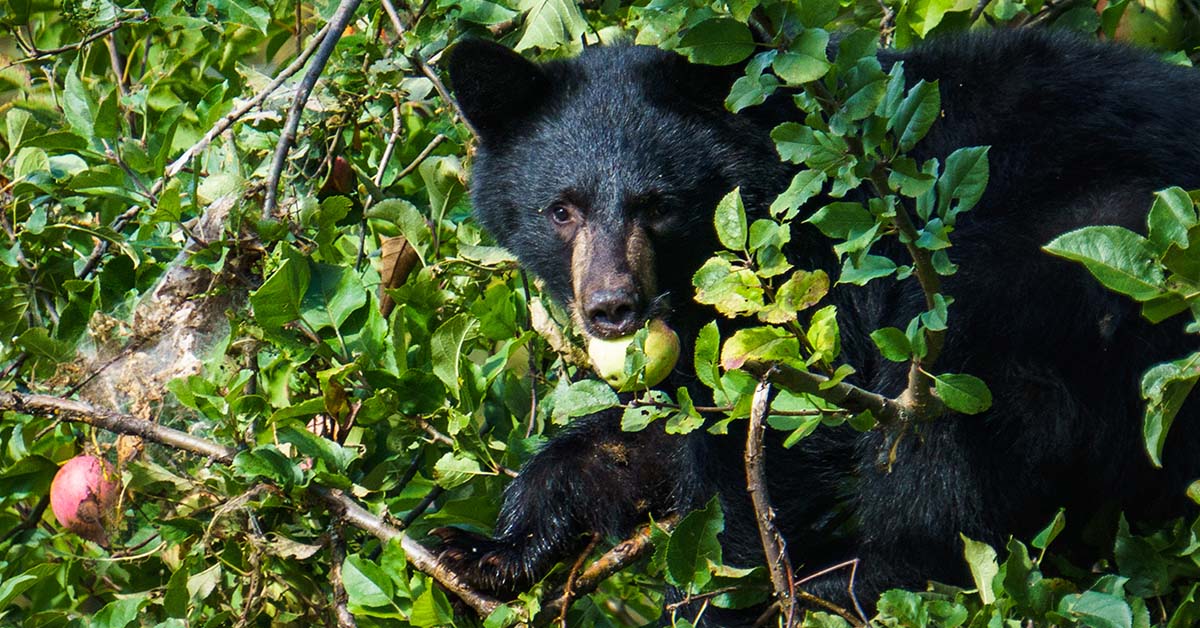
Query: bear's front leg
{"points": [[591, 479]]}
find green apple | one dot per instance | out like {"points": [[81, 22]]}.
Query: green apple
{"points": [[662, 351]]}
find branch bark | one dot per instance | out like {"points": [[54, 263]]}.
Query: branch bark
{"points": [[336, 502], [337, 25], [622, 555], [774, 547], [232, 117], [888, 412]]}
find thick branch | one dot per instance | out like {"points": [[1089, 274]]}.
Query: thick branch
{"points": [[774, 547], [334, 500], [337, 502], [337, 25]]}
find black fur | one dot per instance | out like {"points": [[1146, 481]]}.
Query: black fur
{"points": [[1080, 133]]}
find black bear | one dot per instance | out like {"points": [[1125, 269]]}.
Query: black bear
{"points": [[601, 173]]}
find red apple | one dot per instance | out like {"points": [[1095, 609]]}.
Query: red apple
{"points": [[83, 495]]}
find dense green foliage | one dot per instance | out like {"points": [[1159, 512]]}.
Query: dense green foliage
{"points": [[147, 280]]}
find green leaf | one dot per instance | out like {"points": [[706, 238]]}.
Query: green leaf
{"points": [[858, 270], [581, 398], [366, 583], [277, 301], [765, 344], [15, 123], [801, 291], [717, 41], [78, 106], [637, 417], [30, 161], [118, 613], [431, 609], [1139, 560], [705, 358], [333, 294], [1051, 531], [336, 457], [917, 112], [806, 60], [266, 461], [892, 343], [841, 220], [1165, 387], [804, 186], [38, 344], [1097, 610], [1170, 218], [964, 179], [484, 12], [731, 221], [453, 469], [981, 558], [693, 547], [446, 345], [731, 291], [503, 617], [13, 586], [908, 179], [963, 393], [1119, 258], [550, 23], [246, 13], [823, 335]]}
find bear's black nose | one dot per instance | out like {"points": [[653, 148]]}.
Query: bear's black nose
{"points": [[612, 313]]}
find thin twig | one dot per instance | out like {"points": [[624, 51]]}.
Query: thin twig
{"points": [[337, 25], [422, 156], [622, 555], [104, 32], [439, 437], [568, 591], [773, 544], [979, 9], [918, 394], [229, 119], [888, 412], [29, 521], [419, 61], [853, 565]]}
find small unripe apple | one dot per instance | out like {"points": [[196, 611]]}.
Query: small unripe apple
{"points": [[662, 351], [82, 496]]}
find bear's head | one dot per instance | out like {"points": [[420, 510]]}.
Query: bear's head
{"points": [[601, 173]]}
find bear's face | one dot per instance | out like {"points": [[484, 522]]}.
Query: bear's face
{"points": [[602, 173]]}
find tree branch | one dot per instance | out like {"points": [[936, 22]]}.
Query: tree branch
{"points": [[917, 395], [335, 501], [888, 412], [774, 547], [337, 25], [229, 119], [104, 32], [622, 555]]}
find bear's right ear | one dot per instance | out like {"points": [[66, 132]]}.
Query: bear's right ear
{"points": [[493, 85]]}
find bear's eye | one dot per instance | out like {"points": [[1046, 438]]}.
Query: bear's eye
{"points": [[561, 215]]}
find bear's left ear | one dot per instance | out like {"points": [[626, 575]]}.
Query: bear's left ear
{"points": [[493, 85]]}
